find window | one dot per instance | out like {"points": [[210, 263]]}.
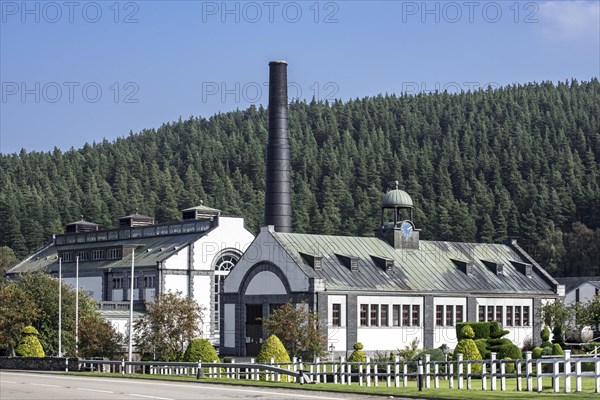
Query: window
{"points": [[459, 314], [114, 254], [336, 315], [525, 315], [490, 313], [97, 255], [396, 315], [374, 315], [481, 314], [385, 315], [148, 281], [83, 255], [577, 295], [416, 315], [509, 316], [499, 315], [364, 318], [439, 312], [449, 315], [517, 315], [117, 283], [223, 265], [67, 256], [405, 315]]}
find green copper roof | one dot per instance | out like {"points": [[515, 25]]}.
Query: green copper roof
{"points": [[202, 208], [396, 198]]}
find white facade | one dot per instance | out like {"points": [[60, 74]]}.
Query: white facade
{"points": [[583, 293]]}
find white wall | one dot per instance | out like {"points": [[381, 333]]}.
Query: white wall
{"points": [[447, 334], [586, 293], [178, 260], [92, 285], [230, 234], [516, 334], [386, 338], [175, 283], [203, 296]]}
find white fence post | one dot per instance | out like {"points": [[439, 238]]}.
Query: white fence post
{"points": [[396, 371], [436, 379], [597, 375], [567, 371], [578, 376], [459, 359], [528, 371], [538, 372], [318, 369], [335, 373], [405, 374], [556, 375], [502, 376], [427, 371], [483, 376], [518, 371], [376, 374], [342, 370], [388, 376], [493, 367], [360, 374], [450, 375], [469, 368], [368, 371]]}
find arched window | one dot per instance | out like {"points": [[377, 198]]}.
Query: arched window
{"points": [[223, 265]]}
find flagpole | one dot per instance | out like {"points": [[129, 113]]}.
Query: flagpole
{"points": [[130, 351], [76, 306], [60, 307]]}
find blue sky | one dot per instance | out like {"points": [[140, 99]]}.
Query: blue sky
{"points": [[82, 71]]}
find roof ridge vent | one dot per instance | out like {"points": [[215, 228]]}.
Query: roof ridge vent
{"points": [[524, 268], [465, 266], [495, 267], [387, 264], [350, 262], [313, 260]]}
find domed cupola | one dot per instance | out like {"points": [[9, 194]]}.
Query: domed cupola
{"points": [[399, 232]]}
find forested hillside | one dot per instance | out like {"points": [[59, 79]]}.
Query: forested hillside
{"points": [[518, 162]]}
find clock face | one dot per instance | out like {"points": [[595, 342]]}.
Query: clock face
{"points": [[407, 229]]}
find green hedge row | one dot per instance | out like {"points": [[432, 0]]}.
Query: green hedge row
{"points": [[481, 329]]}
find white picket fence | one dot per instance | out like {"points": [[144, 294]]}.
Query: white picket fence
{"points": [[528, 374]]}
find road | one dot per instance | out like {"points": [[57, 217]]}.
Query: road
{"points": [[49, 386]]}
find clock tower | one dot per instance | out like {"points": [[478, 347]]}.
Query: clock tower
{"points": [[397, 227]]}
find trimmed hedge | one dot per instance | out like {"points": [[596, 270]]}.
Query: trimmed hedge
{"points": [[272, 348], [537, 353], [482, 346], [29, 345], [200, 349], [481, 329], [468, 349], [510, 351]]}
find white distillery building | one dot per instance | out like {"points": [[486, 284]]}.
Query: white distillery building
{"points": [[384, 291], [192, 256]]}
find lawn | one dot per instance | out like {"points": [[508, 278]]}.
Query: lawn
{"points": [[410, 391]]}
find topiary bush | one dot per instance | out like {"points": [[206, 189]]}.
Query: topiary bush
{"points": [[468, 348], [481, 329], [545, 335], [557, 350], [510, 351], [273, 348], [557, 335], [537, 353], [482, 346], [357, 355], [29, 345], [434, 354], [200, 349]]}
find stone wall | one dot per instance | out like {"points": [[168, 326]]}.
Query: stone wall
{"points": [[39, 363]]}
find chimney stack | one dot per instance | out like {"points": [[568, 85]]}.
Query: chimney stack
{"points": [[278, 190]]}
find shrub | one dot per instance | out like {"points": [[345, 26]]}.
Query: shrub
{"points": [[467, 332], [469, 350], [510, 351], [358, 346], [528, 344], [200, 349], [557, 333], [272, 348], [557, 350], [434, 354], [495, 331], [481, 329], [537, 353], [357, 355], [510, 366], [29, 345], [545, 334], [482, 347], [547, 351]]}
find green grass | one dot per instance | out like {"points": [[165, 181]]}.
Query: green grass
{"points": [[410, 391]]}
